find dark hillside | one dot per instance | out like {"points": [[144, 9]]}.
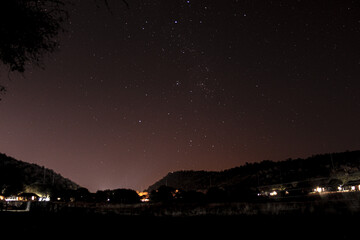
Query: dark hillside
{"points": [[343, 166], [18, 176]]}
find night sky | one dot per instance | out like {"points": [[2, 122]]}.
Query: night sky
{"points": [[133, 94]]}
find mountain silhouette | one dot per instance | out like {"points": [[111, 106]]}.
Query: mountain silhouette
{"points": [[18, 176], [326, 168]]}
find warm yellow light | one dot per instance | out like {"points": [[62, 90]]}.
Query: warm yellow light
{"points": [[274, 193], [141, 194], [144, 196], [319, 189]]}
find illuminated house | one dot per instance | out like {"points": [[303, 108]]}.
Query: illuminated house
{"points": [[352, 186], [28, 197]]}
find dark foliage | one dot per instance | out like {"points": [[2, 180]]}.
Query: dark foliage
{"points": [[28, 30], [124, 196], [216, 194], [11, 180], [81, 195], [121, 195], [2, 90], [192, 197], [163, 194]]}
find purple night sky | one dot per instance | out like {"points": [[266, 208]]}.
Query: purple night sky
{"points": [[133, 94]]}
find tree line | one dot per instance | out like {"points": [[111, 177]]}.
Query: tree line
{"points": [[121, 195], [166, 194], [257, 174]]}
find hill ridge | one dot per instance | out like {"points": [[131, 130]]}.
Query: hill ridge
{"points": [[19, 176], [343, 165]]}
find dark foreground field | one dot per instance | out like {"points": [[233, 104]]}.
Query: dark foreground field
{"points": [[80, 225]]}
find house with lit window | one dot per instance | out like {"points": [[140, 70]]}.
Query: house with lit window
{"points": [[352, 186], [28, 197]]}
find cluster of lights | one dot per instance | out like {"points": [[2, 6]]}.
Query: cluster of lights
{"points": [[45, 199], [339, 189], [12, 198], [318, 189], [144, 196], [273, 193], [19, 198]]}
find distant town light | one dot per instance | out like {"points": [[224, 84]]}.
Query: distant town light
{"points": [[144, 196]]}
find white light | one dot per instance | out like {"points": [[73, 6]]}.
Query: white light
{"points": [[274, 193], [9, 199], [44, 199]]}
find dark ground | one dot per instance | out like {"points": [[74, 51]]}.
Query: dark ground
{"points": [[79, 225]]}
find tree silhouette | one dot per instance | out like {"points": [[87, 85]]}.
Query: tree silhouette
{"points": [[11, 180], [215, 194], [163, 194], [28, 30], [2, 90], [125, 196]]}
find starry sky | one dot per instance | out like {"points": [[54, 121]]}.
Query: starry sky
{"points": [[132, 94]]}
